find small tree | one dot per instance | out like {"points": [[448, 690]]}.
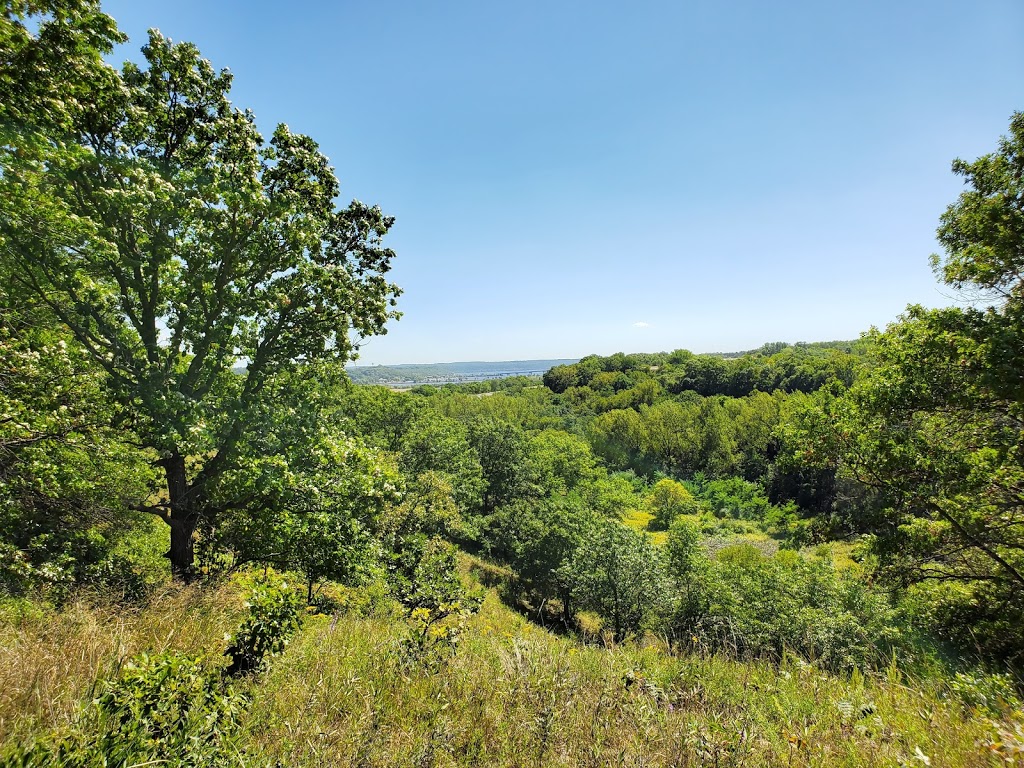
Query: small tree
{"points": [[619, 575], [537, 538], [670, 499]]}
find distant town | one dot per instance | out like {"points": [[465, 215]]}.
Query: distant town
{"points": [[449, 373]]}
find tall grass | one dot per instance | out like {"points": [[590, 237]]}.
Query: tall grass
{"points": [[50, 660], [514, 695], [344, 694]]}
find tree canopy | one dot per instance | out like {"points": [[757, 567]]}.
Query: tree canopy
{"points": [[192, 260], [937, 425]]}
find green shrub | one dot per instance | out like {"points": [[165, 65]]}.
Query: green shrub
{"points": [[738, 499], [670, 499], [733, 497], [758, 606], [428, 584], [171, 703], [972, 619], [118, 578], [169, 709], [621, 576], [274, 615], [685, 553], [991, 693]]}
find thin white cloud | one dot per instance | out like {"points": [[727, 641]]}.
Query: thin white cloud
{"points": [[641, 324]]}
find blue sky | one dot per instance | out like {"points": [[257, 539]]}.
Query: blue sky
{"points": [[589, 177]]}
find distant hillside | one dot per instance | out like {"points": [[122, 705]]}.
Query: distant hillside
{"points": [[450, 373], [854, 347], [413, 374]]}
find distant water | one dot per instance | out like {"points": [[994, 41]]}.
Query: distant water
{"points": [[449, 373]]}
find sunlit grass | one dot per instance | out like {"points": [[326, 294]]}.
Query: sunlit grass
{"points": [[49, 660], [515, 695], [639, 520], [343, 694]]}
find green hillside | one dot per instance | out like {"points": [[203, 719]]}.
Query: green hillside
{"points": [[344, 693], [217, 551]]}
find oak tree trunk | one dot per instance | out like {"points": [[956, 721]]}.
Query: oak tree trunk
{"points": [[183, 517]]}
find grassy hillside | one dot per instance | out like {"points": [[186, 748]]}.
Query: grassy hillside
{"points": [[344, 694]]}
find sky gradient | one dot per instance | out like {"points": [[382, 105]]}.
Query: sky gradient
{"points": [[572, 178]]}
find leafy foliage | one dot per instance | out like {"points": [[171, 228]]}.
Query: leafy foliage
{"points": [[274, 616], [620, 381], [670, 499], [983, 231], [302, 495], [502, 451], [764, 606], [149, 217], [936, 426], [68, 481], [170, 709], [428, 584], [620, 576], [537, 539], [435, 443]]}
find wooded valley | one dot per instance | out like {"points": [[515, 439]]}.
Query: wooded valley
{"points": [[216, 549]]}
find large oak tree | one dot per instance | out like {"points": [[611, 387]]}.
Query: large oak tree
{"points": [[192, 260]]}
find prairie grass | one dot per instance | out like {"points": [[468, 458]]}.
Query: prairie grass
{"points": [[50, 660], [514, 695], [343, 694]]}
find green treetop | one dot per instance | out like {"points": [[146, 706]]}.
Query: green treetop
{"points": [[149, 216]]}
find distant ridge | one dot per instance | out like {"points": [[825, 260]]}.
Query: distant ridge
{"points": [[450, 373], [411, 374]]}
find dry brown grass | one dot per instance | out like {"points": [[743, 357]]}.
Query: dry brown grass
{"points": [[50, 660]]}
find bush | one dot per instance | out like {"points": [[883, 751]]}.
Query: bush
{"points": [[763, 606], [974, 620], [173, 704], [992, 693], [118, 578], [428, 585], [274, 615], [734, 497], [620, 576], [168, 709], [670, 499]]}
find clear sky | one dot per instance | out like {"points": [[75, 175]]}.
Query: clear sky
{"points": [[590, 177]]}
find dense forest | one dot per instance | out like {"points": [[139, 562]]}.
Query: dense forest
{"points": [[217, 549]]}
